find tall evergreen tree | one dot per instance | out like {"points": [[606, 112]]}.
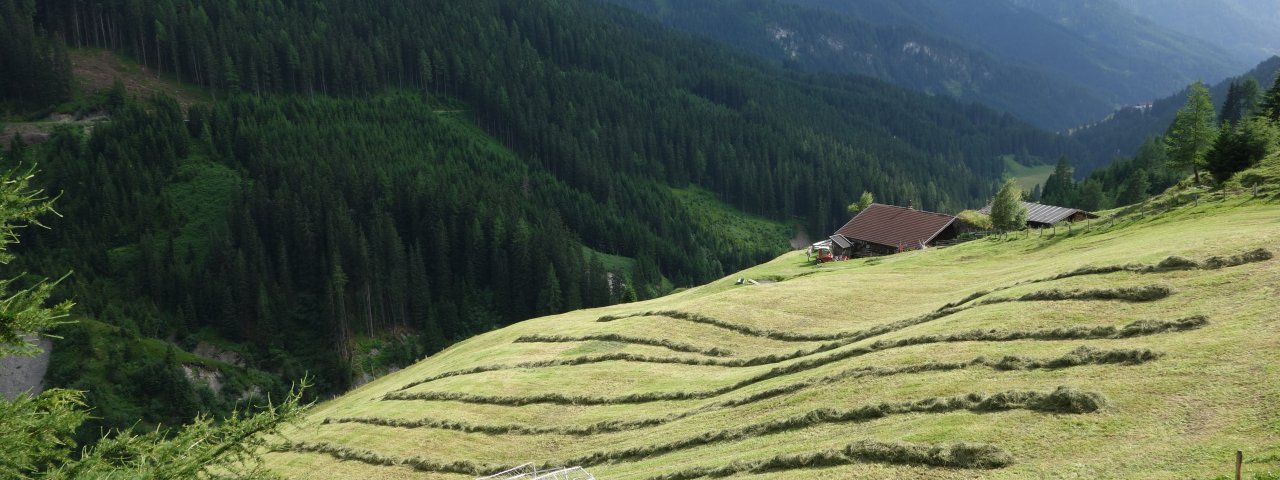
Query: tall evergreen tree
{"points": [[1270, 106], [1134, 189], [1242, 100], [1240, 146], [1091, 197], [1193, 131], [550, 298], [1059, 188]]}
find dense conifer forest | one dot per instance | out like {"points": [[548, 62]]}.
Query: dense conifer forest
{"points": [[425, 171]]}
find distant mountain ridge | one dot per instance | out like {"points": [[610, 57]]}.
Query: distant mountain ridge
{"points": [[1098, 44], [1248, 28], [818, 41]]}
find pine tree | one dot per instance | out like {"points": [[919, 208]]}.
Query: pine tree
{"points": [[1193, 131]]}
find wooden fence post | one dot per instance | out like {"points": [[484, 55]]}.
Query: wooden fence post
{"points": [[1239, 462]]}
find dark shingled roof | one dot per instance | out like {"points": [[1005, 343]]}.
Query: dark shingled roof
{"points": [[1047, 214], [895, 226]]}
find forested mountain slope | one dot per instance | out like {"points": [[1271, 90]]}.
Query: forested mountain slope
{"points": [[820, 41], [1124, 58], [419, 172], [1123, 132]]}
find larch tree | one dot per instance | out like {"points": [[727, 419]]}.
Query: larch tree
{"points": [[863, 202], [1007, 212], [1193, 131]]}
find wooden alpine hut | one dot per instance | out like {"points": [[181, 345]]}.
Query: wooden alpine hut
{"points": [[885, 229], [1045, 216]]}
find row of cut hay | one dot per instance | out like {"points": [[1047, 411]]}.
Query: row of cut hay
{"points": [[958, 455], [1138, 328], [342, 452], [1169, 264], [1063, 400], [1127, 294], [1083, 355], [613, 337], [772, 334]]}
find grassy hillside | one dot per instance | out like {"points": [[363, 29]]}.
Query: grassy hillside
{"points": [[1027, 177], [999, 359]]}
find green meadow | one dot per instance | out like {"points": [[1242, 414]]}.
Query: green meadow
{"points": [[1140, 347]]}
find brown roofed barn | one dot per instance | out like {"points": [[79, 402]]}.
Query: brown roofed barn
{"points": [[883, 229]]}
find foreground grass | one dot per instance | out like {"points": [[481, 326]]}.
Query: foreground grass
{"points": [[1172, 380]]}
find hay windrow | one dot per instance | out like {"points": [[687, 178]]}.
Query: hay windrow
{"points": [[1063, 400], [958, 455], [1169, 264], [613, 337], [1127, 294], [370, 457], [1138, 328], [1083, 355]]}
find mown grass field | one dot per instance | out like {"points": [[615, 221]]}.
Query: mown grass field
{"points": [[944, 363], [1027, 177]]}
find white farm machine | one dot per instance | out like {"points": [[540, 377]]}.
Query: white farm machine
{"points": [[529, 471]]}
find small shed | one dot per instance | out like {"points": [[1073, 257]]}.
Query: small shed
{"points": [[883, 229], [1044, 216]]}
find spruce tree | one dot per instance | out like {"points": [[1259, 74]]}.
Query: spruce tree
{"points": [[1241, 146], [1134, 189], [550, 299], [1242, 99], [1270, 106], [1059, 189], [1091, 196]]}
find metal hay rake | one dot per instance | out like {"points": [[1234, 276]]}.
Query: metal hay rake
{"points": [[529, 471]]}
